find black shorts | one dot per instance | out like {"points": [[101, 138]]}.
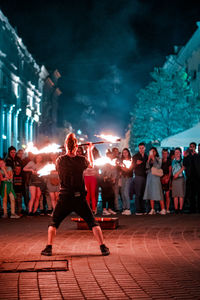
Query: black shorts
{"points": [[67, 204]]}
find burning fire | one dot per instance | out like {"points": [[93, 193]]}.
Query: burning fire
{"points": [[52, 148], [127, 163], [104, 160], [46, 170], [109, 138]]}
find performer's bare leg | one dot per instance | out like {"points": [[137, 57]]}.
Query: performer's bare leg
{"points": [[98, 234], [51, 235]]}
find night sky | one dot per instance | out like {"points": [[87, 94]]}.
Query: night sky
{"points": [[103, 49]]}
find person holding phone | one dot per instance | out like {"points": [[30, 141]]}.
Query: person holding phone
{"points": [[153, 189]]}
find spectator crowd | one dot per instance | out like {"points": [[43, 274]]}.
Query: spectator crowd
{"points": [[144, 183]]}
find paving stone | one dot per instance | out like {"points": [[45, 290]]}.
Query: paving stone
{"points": [[151, 258]]}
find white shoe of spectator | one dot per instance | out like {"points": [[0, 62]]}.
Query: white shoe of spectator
{"points": [[152, 212], [111, 211], [167, 211], [127, 212], [106, 213], [162, 212], [139, 214], [14, 216]]}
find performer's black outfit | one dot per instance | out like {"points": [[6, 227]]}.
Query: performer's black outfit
{"points": [[72, 193]]}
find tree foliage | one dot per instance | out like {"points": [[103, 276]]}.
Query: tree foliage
{"points": [[165, 107]]}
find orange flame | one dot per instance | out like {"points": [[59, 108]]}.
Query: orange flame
{"points": [[52, 148], [104, 160], [109, 138], [127, 163], [46, 170]]}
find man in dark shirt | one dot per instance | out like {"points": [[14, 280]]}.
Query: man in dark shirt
{"points": [[139, 166], [72, 194], [190, 163]]}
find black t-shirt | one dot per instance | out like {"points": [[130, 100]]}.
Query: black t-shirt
{"points": [[70, 171], [18, 183], [165, 166], [140, 170]]}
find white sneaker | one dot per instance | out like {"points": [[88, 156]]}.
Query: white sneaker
{"points": [[106, 213], [168, 212], [14, 216], [111, 211], [127, 212], [162, 212], [139, 214], [152, 212]]}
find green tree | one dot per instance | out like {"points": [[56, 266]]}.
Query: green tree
{"points": [[165, 107]]}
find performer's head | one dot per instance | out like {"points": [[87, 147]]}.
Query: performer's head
{"points": [[71, 143]]}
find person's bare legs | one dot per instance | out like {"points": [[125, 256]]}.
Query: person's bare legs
{"points": [[167, 196], [98, 234], [162, 204], [181, 201], [152, 204], [37, 198], [53, 199], [32, 190], [51, 235], [176, 203]]}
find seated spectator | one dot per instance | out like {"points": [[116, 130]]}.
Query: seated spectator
{"points": [[7, 190], [178, 182]]}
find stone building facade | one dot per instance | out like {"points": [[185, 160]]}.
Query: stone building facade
{"points": [[21, 90], [188, 56]]}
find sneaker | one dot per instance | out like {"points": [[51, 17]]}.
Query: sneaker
{"points": [[127, 212], [106, 213], [5, 216], [14, 216], [167, 211], [162, 212], [47, 251], [104, 250], [152, 212], [111, 211], [139, 214]]}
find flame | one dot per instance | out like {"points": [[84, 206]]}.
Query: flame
{"points": [[46, 170], [109, 138], [127, 163], [52, 148], [104, 160], [31, 148]]}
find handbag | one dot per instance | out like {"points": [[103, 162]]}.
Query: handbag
{"points": [[156, 172]]}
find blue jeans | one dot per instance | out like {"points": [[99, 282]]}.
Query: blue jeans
{"points": [[140, 183], [125, 191]]}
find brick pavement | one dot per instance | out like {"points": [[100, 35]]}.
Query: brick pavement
{"points": [[152, 257]]}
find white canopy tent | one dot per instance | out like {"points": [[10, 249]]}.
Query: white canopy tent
{"points": [[183, 139]]}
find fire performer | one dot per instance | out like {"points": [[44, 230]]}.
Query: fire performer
{"points": [[72, 194]]}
